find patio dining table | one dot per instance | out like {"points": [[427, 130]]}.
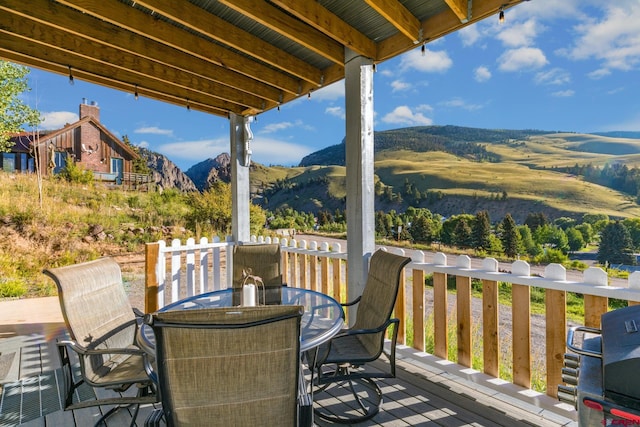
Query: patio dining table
{"points": [[322, 318]]}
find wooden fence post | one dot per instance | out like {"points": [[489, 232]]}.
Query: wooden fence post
{"points": [[151, 253]]}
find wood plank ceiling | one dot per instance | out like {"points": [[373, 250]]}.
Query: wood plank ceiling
{"points": [[222, 56]]}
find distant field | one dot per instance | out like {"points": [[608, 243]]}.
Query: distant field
{"points": [[525, 173]]}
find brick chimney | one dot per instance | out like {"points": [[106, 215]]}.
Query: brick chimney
{"points": [[89, 148], [89, 109]]}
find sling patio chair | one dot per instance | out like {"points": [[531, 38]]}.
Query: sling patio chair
{"points": [[237, 366], [341, 362], [263, 261], [102, 326]]}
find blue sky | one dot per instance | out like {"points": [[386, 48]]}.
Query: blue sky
{"points": [[569, 65]]}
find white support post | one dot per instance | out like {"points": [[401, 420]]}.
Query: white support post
{"points": [[240, 161], [360, 172]]}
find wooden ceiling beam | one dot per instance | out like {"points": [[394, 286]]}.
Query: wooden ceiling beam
{"points": [[86, 26], [460, 8], [230, 35], [317, 16], [145, 71], [131, 19], [282, 23], [57, 68], [400, 17], [440, 25], [57, 50]]}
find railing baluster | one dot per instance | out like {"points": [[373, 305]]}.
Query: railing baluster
{"points": [[176, 265], [204, 266], [463, 307]]}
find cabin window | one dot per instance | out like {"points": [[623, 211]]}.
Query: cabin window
{"points": [[117, 167], [60, 159], [8, 162]]}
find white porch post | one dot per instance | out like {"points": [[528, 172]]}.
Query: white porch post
{"points": [[359, 162], [240, 197]]}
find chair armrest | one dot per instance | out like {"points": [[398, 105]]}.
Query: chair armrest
{"points": [[377, 330], [89, 352], [349, 304]]}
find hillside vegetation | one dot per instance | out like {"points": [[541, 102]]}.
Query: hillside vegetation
{"points": [[465, 170]]}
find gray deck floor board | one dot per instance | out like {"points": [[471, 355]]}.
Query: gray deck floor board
{"points": [[423, 394]]}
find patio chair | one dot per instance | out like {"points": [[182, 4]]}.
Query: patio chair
{"points": [[237, 366], [102, 326], [262, 260], [341, 362]]}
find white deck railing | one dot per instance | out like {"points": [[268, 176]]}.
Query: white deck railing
{"points": [[178, 270]]}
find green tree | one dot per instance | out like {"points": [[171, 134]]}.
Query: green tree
{"points": [[587, 232], [463, 235], [535, 220], [509, 236], [421, 230], [633, 225], [615, 245], [575, 239], [14, 113], [482, 231], [447, 232]]}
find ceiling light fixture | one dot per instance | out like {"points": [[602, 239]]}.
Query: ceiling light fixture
{"points": [[188, 105], [501, 15], [135, 94], [70, 76], [424, 49]]}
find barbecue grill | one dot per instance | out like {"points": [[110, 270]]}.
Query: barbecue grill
{"points": [[602, 370]]}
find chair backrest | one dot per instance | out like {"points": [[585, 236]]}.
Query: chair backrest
{"points": [[238, 366], [379, 296], [94, 304], [262, 260]]}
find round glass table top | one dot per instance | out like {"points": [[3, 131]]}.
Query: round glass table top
{"points": [[322, 318]]}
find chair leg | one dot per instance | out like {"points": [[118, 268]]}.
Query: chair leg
{"points": [[366, 402]]}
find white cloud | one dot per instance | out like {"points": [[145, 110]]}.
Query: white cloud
{"points": [[154, 130], [336, 111], [469, 35], [332, 92], [403, 115], [57, 119], [264, 150], [599, 73], [481, 74], [143, 144], [275, 127], [431, 62], [614, 39], [520, 34], [399, 86], [555, 76], [564, 93], [524, 58], [461, 103]]}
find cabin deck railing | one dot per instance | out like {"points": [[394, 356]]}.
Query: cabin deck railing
{"points": [[178, 270]]}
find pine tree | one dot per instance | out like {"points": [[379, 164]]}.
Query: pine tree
{"points": [[509, 236], [616, 246], [463, 235], [482, 231]]}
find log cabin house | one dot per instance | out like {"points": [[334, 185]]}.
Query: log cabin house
{"points": [[86, 141]]}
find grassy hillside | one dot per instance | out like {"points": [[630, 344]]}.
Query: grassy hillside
{"points": [[75, 223], [518, 163]]}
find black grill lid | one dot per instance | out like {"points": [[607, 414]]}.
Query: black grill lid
{"points": [[621, 355]]}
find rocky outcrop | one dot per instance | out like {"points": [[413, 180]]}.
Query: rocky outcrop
{"points": [[165, 173], [210, 171]]}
